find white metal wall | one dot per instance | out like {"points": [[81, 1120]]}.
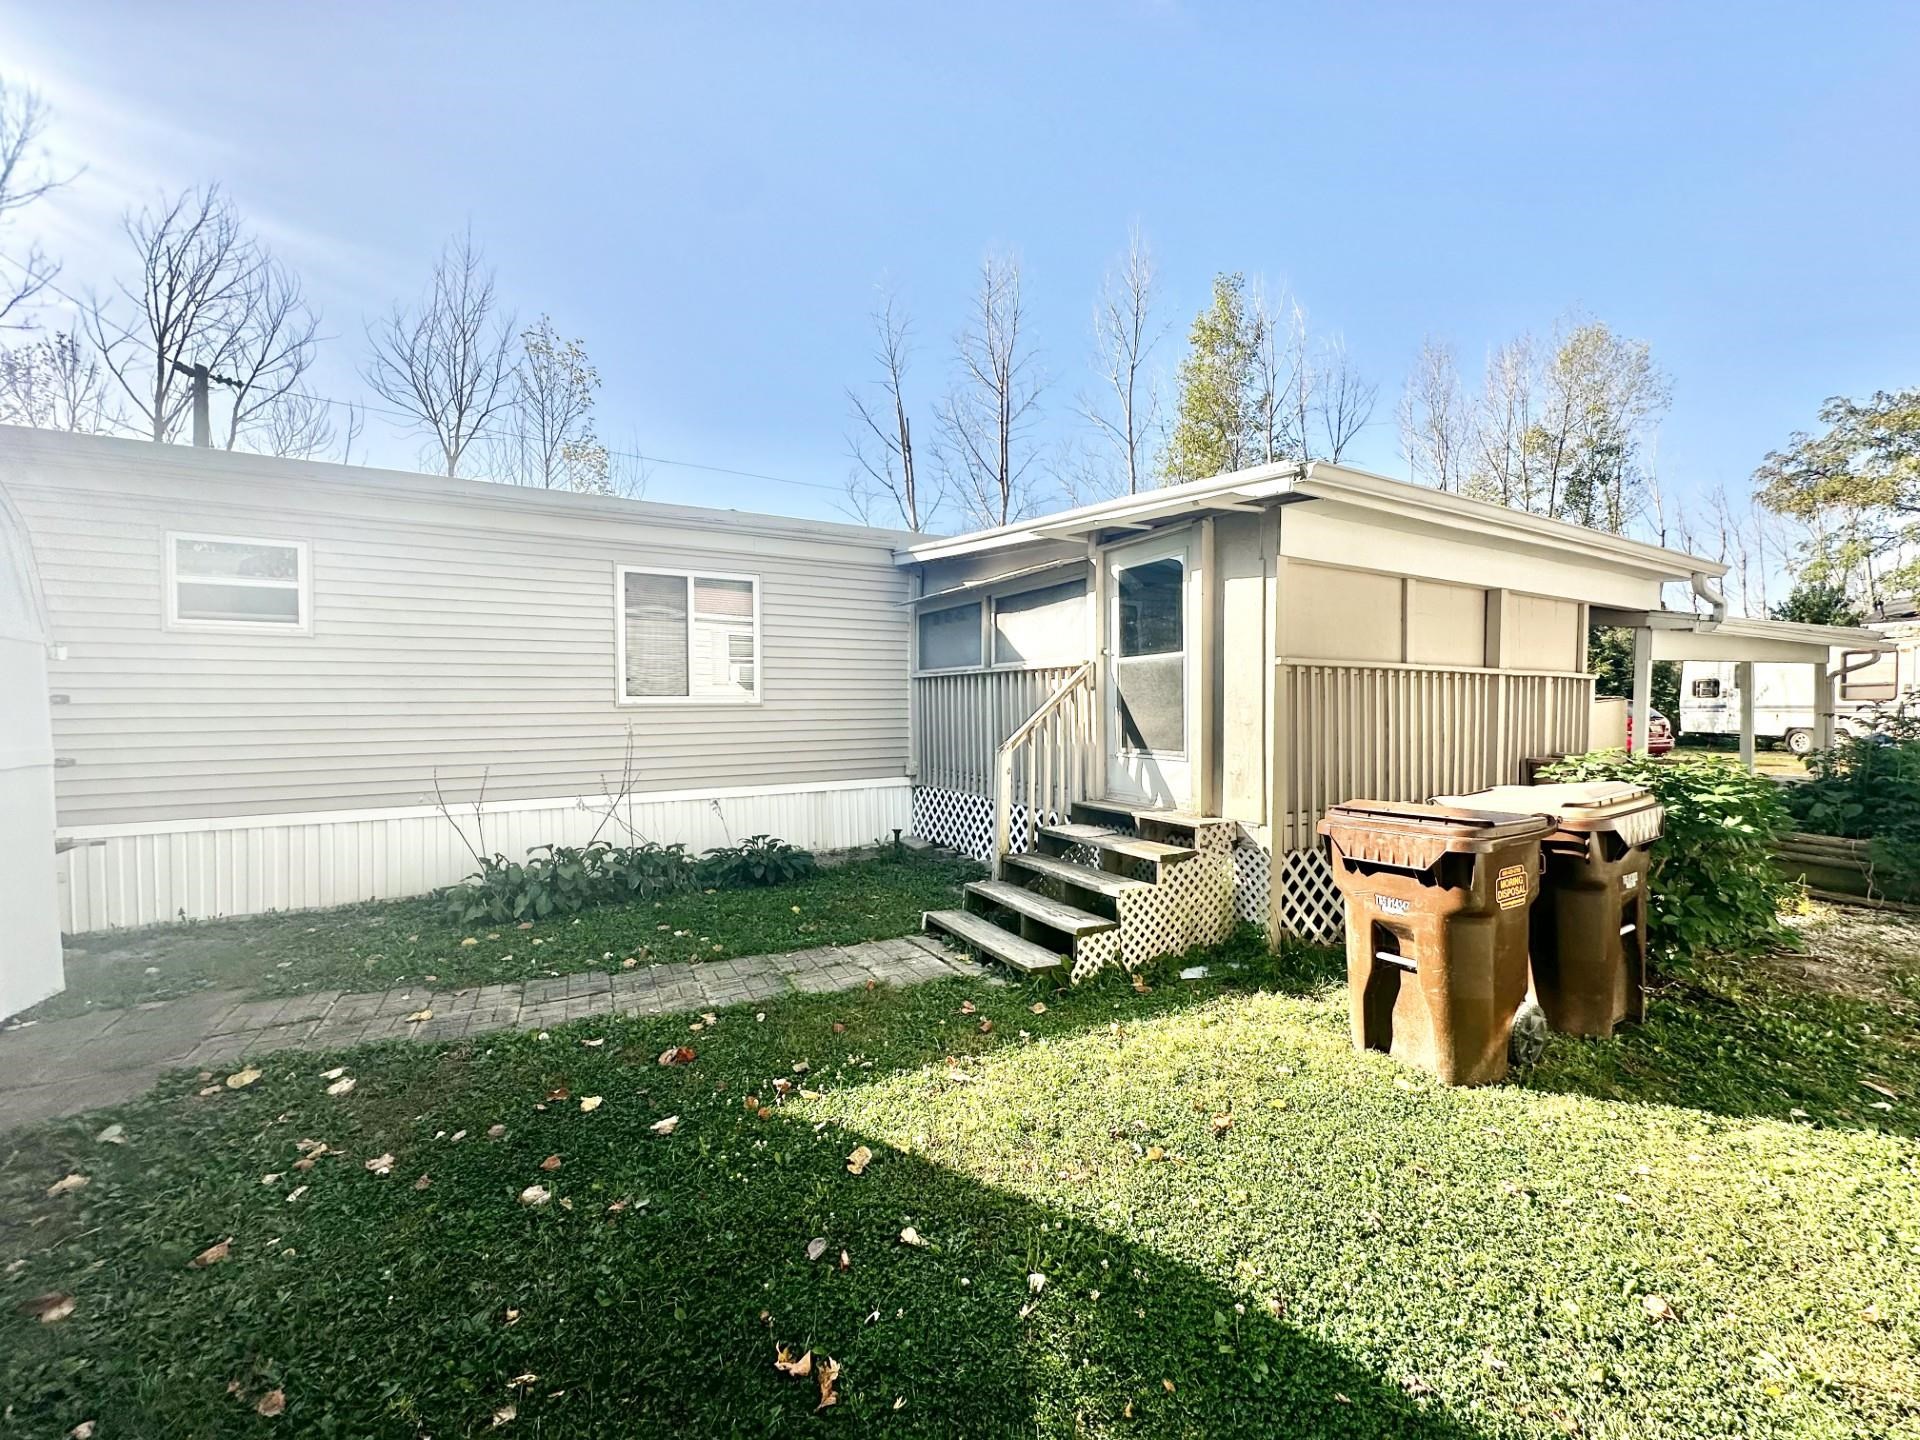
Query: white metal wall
{"points": [[140, 874], [30, 963]]}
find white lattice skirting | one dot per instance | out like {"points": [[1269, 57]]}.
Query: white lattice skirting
{"points": [[139, 874], [1310, 903]]}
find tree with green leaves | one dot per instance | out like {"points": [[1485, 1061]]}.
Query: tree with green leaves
{"points": [[1818, 602], [1856, 486], [1215, 426]]}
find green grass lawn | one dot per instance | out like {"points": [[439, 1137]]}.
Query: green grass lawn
{"points": [[374, 946], [1193, 1212]]}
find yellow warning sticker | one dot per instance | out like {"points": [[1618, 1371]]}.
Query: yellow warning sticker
{"points": [[1510, 887]]}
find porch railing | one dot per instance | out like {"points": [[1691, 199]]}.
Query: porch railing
{"points": [[1407, 732], [1044, 766], [960, 720]]}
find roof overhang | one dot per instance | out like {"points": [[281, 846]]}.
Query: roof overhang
{"points": [[1293, 482], [1682, 635]]}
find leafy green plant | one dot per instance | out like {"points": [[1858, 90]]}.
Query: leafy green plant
{"points": [[756, 860], [1868, 788], [1713, 886], [565, 879]]}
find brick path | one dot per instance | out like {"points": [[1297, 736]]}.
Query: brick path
{"points": [[63, 1067]]}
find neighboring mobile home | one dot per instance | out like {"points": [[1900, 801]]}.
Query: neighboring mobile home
{"points": [[262, 668]]}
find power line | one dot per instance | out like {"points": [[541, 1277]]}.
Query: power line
{"points": [[365, 408]]}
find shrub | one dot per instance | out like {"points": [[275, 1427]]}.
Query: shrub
{"points": [[1869, 789], [756, 860], [1713, 886], [564, 879]]}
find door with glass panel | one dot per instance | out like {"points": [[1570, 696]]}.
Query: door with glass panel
{"points": [[1149, 671]]}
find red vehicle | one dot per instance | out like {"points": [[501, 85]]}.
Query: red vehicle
{"points": [[1659, 733]]}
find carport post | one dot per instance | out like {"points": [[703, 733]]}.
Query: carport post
{"points": [[1822, 707], [1638, 725], [1743, 680]]}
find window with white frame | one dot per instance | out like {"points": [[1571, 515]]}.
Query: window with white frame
{"points": [[950, 638], [688, 637], [232, 582]]}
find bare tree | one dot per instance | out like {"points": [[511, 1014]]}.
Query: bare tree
{"points": [[546, 437], [993, 401], [24, 178], [297, 426], [1340, 401], [448, 364], [55, 383], [1124, 334], [885, 477], [274, 338], [1436, 425], [199, 278], [1280, 372], [1502, 426]]}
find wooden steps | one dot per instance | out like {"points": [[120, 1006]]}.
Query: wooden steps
{"points": [[1076, 877], [1003, 945], [1039, 908], [1112, 842]]}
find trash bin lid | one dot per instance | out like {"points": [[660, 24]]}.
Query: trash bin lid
{"points": [[1414, 837], [1575, 805]]}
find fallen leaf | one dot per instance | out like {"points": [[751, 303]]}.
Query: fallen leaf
{"points": [[800, 1067], [911, 1236], [1140, 987], [520, 1382], [334, 1074], [295, 1193], [677, 1055], [207, 1090], [535, 1195], [83, 1431], [496, 1132], [1659, 1309], [559, 1092], [858, 1161], [552, 1162], [456, 1137], [212, 1255], [846, 1262], [708, 1017], [273, 1403], [899, 1402], [513, 1316], [381, 1165], [422, 1183], [986, 1027], [272, 1177], [826, 1374], [816, 1247], [966, 1007], [1039, 1007], [1222, 1123], [114, 1134], [504, 1415], [342, 1087], [470, 941], [305, 1164], [48, 1309], [240, 1079], [67, 1186], [666, 1126], [597, 1041], [1167, 1385], [590, 1102], [784, 1362], [1154, 1152], [750, 1103], [1880, 1089], [1036, 1282]]}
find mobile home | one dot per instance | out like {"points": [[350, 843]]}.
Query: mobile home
{"points": [[1866, 684]]}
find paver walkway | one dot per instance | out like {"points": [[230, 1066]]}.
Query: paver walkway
{"points": [[63, 1067]]}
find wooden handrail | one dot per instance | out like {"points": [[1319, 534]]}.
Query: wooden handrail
{"points": [[1058, 736]]}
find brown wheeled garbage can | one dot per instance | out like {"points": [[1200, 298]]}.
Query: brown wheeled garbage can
{"points": [[1589, 930], [1437, 903]]}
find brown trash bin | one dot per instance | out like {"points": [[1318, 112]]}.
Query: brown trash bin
{"points": [[1589, 930], [1437, 904]]}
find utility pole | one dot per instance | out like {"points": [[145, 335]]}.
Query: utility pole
{"points": [[202, 412]]}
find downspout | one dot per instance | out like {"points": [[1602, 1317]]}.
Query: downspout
{"points": [[1704, 587]]}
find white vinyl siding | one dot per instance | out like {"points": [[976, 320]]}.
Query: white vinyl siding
{"points": [[231, 582], [688, 638], [461, 630]]}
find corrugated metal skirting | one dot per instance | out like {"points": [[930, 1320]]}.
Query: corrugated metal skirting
{"points": [[122, 876]]}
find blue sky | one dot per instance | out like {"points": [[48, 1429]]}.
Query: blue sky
{"points": [[707, 194]]}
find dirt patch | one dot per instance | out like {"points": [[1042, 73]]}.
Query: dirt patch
{"points": [[1855, 952]]}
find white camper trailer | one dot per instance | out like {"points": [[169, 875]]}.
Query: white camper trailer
{"points": [[1783, 701]]}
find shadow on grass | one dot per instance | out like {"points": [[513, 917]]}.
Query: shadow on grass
{"points": [[382, 1308]]}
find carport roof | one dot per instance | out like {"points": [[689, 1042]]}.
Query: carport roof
{"points": [[1683, 635]]}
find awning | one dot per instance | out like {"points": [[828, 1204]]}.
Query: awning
{"points": [[1683, 635]]}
